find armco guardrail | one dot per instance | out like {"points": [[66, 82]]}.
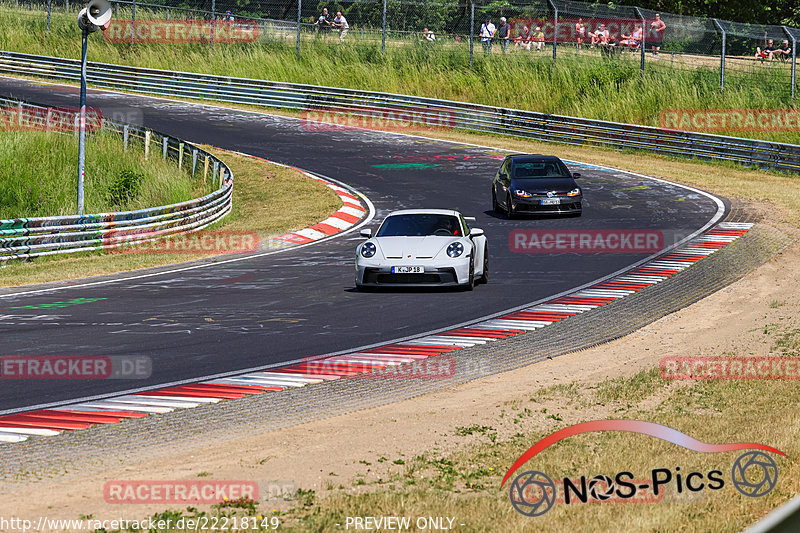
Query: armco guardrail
{"points": [[25, 238], [528, 124]]}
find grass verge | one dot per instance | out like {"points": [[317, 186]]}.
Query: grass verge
{"points": [[261, 192], [116, 180]]}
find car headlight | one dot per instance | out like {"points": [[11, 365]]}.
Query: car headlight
{"points": [[522, 193], [368, 249], [455, 249], [574, 192]]}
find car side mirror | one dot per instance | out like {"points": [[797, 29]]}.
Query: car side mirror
{"points": [[475, 232], [366, 233], [576, 175]]}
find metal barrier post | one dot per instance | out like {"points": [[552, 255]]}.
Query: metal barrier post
{"points": [[194, 161], [555, 28], [724, 50], [794, 49], [164, 145], [471, 29], [383, 31], [146, 144], [82, 124], [180, 156], [66, 6], [299, 11], [125, 136], [213, 22], [644, 39], [49, 8], [133, 22]]}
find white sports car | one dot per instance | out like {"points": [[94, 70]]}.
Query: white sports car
{"points": [[423, 247]]}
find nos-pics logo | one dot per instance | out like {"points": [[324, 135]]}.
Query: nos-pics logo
{"points": [[533, 493]]}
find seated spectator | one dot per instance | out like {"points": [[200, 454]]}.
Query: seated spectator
{"points": [[634, 39], [768, 51], [601, 36], [785, 51], [228, 17], [524, 39], [538, 38], [428, 35]]}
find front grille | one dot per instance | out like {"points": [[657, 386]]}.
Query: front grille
{"points": [[538, 207], [409, 278], [375, 276]]}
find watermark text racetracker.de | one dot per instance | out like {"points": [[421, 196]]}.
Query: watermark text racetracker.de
{"points": [[377, 118], [585, 241], [377, 367], [55, 119], [731, 120], [206, 242], [730, 368], [75, 367], [181, 31]]}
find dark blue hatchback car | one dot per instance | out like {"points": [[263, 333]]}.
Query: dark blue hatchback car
{"points": [[535, 184]]}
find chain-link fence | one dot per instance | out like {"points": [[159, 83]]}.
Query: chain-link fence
{"points": [[739, 53]]}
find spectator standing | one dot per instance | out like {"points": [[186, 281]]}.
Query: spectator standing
{"points": [[488, 31], [525, 38], [538, 38], [228, 17], [324, 22], [657, 28], [580, 33], [504, 33], [341, 23], [428, 35]]}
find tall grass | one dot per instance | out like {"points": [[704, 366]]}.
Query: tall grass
{"points": [[585, 86], [39, 174]]}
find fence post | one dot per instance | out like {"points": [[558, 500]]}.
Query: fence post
{"points": [[794, 50], [49, 8], [383, 31], [644, 39], [213, 22], [133, 22], [722, 59], [471, 29], [146, 144], [194, 161], [164, 145], [299, 11], [125, 136], [555, 28], [66, 6]]}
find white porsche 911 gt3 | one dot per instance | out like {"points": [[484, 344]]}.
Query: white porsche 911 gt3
{"points": [[423, 247]]}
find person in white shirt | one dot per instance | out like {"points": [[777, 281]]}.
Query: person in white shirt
{"points": [[487, 34], [341, 23], [429, 36]]}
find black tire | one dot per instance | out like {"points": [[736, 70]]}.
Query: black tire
{"points": [[471, 283], [509, 208], [485, 275], [495, 205]]}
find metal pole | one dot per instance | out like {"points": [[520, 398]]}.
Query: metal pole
{"points": [[644, 39], [383, 37], [213, 22], [82, 123], [49, 7], [555, 28], [299, 10], [471, 29], [133, 22], [794, 50], [722, 59]]}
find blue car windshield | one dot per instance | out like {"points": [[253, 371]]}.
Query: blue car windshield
{"points": [[420, 225], [541, 169]]}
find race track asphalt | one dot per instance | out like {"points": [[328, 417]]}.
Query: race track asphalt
{"points": [[302, 302]]}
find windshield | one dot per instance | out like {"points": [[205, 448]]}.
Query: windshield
{"points": [[541, 169], [420, 225]]}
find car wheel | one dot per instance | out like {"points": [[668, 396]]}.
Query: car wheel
{"points": [[471, 281], [495, 205], [485, 274], [509, 208]]}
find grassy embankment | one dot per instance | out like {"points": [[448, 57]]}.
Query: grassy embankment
{"points": [[32, 185], [584, 86]]}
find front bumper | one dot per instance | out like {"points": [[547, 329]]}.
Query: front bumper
{"points": [[533, 205], [381, 275]]}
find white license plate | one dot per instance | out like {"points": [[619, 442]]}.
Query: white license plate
{"points": [[408, 270], [551, 201]]}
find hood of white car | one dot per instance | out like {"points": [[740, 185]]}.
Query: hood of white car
{"points": [[415, 247]]}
